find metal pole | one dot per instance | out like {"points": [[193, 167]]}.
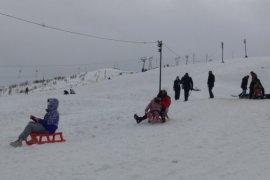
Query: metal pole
{"points": [[222, 44], [160, 62], [245, 42]]}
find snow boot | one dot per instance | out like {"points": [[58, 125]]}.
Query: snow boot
{"points": [[137, 118], [17, 143]]}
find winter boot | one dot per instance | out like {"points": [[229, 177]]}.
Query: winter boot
{"points": [[137, 118], [17, 143], [163, 119]]}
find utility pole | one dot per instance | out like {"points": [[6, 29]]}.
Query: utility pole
{"points": [[222, 47], [36, 73], [187, 59], [206, 57], [160, 61], [20, 73], [193, 58], [245, 42]]}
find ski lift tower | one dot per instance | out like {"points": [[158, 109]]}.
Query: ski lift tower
{"points": [[177, 60], [143, 59], [150, 59], [187, 59]]}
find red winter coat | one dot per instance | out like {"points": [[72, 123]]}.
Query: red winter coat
{"points": [[166, 102]]}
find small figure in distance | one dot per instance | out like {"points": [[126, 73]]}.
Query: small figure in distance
{"points": [[210, 83], [66, 92], [71, 91]]}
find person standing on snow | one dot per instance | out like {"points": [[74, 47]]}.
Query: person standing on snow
{"points": [[244, 84], [187, 85], [48, 124], [210, 83], [177, 88]]}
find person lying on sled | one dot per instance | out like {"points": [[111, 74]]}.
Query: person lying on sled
{"points": [[48, 124]]}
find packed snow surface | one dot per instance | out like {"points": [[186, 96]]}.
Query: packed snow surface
{"points": [[224, 138]]}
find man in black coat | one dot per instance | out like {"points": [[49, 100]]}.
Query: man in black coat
{"points": [[210, 83], [187, 85], [177, 88], [244, 84]]}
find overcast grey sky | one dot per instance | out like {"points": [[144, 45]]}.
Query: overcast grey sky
{"points": [[185, 26]]}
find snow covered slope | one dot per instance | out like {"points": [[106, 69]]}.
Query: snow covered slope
{"points": [[206, 139], [64, 82]]}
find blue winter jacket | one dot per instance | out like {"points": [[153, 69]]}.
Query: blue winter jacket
{"points": [[51, 118]]}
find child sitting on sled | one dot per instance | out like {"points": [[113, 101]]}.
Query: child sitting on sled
{"points": [[165, 102], [48, 124], [152, 111]]}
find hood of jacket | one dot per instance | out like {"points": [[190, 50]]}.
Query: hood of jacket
{"points": [[52, 104]]}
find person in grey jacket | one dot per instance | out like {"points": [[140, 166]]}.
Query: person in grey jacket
{"points": [[48, 124]]}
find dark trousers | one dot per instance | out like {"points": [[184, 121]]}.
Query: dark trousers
{"points": [[186, 94], [210, 92], [177, 94]]}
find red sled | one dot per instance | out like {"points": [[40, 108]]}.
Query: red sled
{"points": [[37, 138], [154, 117]]}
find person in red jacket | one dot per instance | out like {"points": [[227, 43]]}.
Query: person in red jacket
{"points": [[165, 104]]}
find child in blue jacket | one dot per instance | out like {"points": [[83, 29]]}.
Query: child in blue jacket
{"points": [[48, 124]]}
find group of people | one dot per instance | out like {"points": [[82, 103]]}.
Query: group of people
{"points": [[71, 91], [187, 85], [256, 89], [156, 110]]}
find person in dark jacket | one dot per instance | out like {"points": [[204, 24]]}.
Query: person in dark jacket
{"points": [[48, 124], [71, 91], [177, 88], [26, 90], [244, 84], [210, 83], [187, 85], [66, 92]]}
